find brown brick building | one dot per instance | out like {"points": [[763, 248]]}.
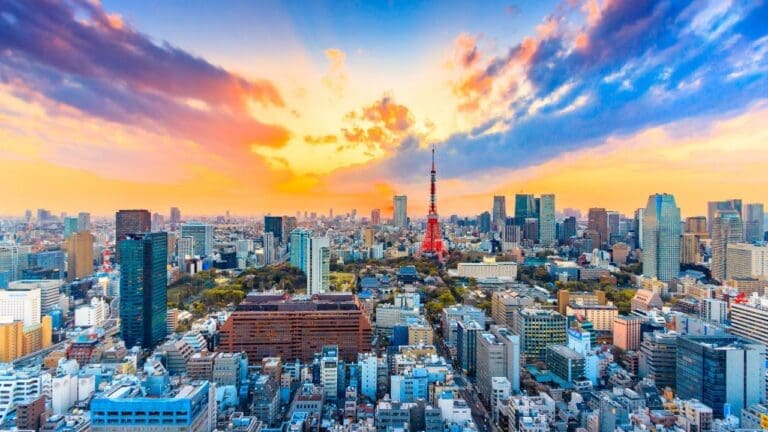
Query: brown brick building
{"points": [[276, 325]]}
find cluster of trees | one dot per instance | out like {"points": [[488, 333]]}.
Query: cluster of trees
{"points": [[223, 295], [282, 277], [533, 275]]}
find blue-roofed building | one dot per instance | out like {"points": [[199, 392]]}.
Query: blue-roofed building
{"points": [[128, 407], [369, 283], [407, 274]]}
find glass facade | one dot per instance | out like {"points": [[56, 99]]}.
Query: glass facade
{"points": [[143, 285]]}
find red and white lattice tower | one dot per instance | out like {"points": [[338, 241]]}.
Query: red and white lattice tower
{"points": [[432, 244]]}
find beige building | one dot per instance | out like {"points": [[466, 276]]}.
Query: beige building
{"points": [[745, 261], [420, 334], [504, 304], [79, 248], [601, 316], [489, 268], [689, 249]]}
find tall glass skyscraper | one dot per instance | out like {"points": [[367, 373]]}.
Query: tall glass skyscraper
{"points": [[143, 284], [525, 207], [727, 228], [203, 235], [400, 211], [300, 248], [274, 224], [547, 223], [661, 237], [499, 211]]}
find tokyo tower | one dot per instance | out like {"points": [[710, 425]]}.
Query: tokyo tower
{"points": [[432, 244]]}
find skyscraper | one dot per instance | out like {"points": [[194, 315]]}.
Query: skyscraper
{"points": [[726, 229], [400, 212], [568, 229], [274, 224], [319, 265], [130, 222], [547, 223], [70, 226], [79, 248], [639, 216], [83, 221], [143, 284], [499, 212], [661, 238], [484, 222], [714, 206], [376, 217], [203, 235], [175, 218], [754, 228], [719, 370], [597, 222], [300, 248], [525, 207], [614, 222], [696, 225]]}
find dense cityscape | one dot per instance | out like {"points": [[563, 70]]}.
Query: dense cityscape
{"points": [[384, 216], [533, 321]]}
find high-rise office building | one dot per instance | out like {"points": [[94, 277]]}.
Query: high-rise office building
{"points": [[14, 259], [696, 225], [70, 226], [754, 222], [203, 235], [525, 207], [79, 248], [499, 216], [319, 265], [597, 222], [83, 221], [130, 222], [185, 247], [689, 248], [568, 229], [626, 332], [727, 228], [714, 206], [143, 284], [274, 225], [466, 345], [639, 217], [614, 222], [746, 261], [268, 245], [531, 230], [547, 220], [376, 217], [175, 216], [300, 239], [720, 370], [661, 242], [750, 319], [498, 355], [658, 358], [484, 222], [538, 329], [400, 212]]}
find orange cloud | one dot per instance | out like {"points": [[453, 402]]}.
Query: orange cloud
{"points": [[336, 78]]}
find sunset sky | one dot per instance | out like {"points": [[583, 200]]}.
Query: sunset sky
{"points": [[257, 107]]}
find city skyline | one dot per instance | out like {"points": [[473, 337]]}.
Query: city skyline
{"points": [[338, 105]]}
